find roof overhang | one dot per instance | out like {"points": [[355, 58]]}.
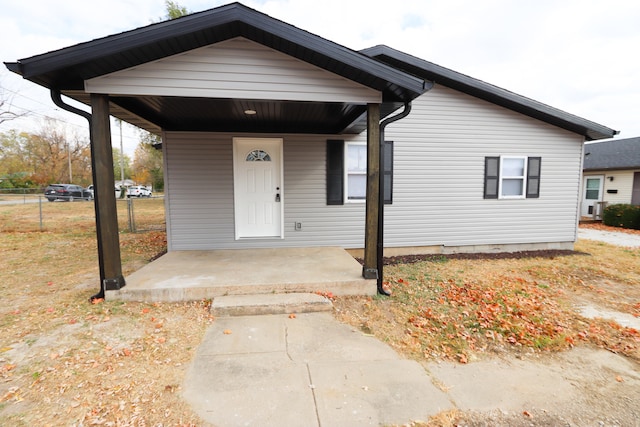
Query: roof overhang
{"points": [[66, 70], [463, 83]]}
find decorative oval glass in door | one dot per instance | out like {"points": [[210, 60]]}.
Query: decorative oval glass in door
{"points": [[258, 156]]}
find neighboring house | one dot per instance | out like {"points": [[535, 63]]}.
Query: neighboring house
{"points": [[611, 174], [266, 130]]}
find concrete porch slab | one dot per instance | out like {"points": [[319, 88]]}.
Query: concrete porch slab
{"points": [[194, 275]]}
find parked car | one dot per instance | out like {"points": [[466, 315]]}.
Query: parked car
{"points": [[90, 189], [138, 191], [66, 192]]}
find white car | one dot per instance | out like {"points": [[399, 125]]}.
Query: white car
{"points": [[138, 191], [90, 189]]}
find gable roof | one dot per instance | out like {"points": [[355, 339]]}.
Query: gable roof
{"points": [[67, 69], [614, 154], [488, 92]]}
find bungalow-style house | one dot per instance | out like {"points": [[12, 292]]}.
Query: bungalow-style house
{"points": [[611, 175], [274, 137]]}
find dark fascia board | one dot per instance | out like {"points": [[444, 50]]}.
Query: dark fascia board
{"points": [[108, 54], [488, 92]]}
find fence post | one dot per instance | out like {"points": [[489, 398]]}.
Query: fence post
{"points": [[40, 206], [132, 220]]}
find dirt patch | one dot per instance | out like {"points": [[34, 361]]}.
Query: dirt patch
{"points": [[545, 254]]}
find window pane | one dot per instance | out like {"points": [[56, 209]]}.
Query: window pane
{"points": [[512, 167], [357, 158], [357, 187], [512, 187], [592, 194], [593, 184]]}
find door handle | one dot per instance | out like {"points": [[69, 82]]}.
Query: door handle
{"points": [[277, 197]]}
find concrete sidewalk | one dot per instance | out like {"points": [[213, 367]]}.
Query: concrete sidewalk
{"points": [[312, 370], [309, 370]]}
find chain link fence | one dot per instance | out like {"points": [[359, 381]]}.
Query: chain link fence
{"points": [[29, 210]]}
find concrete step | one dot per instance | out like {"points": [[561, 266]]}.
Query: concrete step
{"points": [[259, 304]]}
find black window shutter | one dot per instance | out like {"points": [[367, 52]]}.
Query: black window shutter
{"points": [[533, 177], [335, 172], [491, 177], [388, 172]]}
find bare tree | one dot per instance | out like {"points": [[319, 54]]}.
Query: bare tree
{"points": [[6, 113]]}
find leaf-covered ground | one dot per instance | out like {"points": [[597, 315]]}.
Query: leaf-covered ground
{"points": [[462, 309], [66, 362]]}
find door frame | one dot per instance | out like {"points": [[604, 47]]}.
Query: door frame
{"points": [[238, 157]]}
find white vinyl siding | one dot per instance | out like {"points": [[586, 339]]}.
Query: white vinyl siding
{"points": [[236, 68], [439, 152], [439, 175], [200, 197]]}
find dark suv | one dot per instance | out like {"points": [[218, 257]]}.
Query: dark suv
{"points": [[66, 192]]}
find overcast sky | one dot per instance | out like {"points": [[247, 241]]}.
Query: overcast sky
{"points": [[579, 56]]}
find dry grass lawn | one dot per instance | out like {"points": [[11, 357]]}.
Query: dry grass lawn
{"points": [[66, 362]]}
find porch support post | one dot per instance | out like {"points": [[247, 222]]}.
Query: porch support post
{"points": [[105, 199], [370, 269]]}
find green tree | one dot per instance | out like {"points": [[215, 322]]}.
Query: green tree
{"points": [[174, 10], [126, 162]]}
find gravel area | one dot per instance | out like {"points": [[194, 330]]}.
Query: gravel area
{"points": [[611, 237]]}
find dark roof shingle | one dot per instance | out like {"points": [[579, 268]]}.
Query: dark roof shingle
{"points": [[614, 154]]}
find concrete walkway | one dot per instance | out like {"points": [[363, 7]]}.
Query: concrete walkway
{"points": [[309, 370]]}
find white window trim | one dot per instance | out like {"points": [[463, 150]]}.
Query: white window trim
{"points": [[523, 177], [346, 173]]}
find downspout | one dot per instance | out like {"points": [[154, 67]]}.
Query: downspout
{"points": [[57, 99], [380, 247]]}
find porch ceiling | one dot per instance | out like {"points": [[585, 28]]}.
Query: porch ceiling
{"points": [[154, 113]]}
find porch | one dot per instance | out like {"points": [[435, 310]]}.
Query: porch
{"points": [[196, 275]]}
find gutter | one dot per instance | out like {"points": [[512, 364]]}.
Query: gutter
{"points": [[56, 97], [380, 245]]}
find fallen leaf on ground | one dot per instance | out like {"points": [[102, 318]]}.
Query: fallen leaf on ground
{"points": [[292, 316], [227, 332]]}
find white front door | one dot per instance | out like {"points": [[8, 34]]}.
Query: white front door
{"points": [[258, 196], [592, 194]]}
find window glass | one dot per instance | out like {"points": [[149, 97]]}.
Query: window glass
{"points": [[356, 172], [357, 158], [258, 156], [512, 167], [357, 187], [593, 189], [512, 187], [512, 175]]}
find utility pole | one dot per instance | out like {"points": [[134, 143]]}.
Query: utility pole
{"points": [[121, 155], [69, 158]]}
